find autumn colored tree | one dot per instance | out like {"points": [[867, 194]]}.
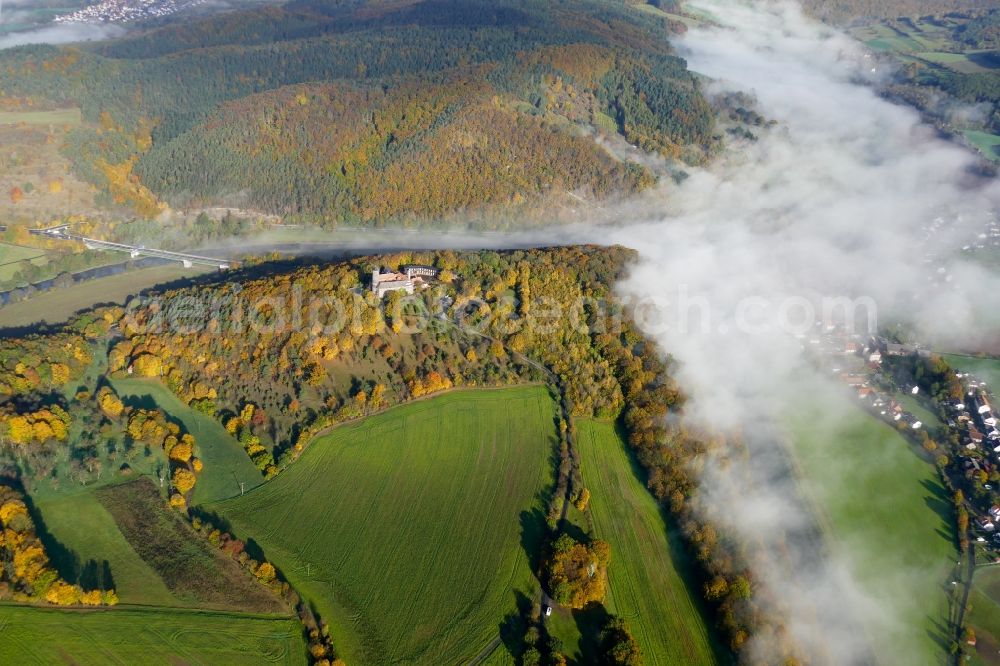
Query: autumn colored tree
{"points": [[148, 365], [110, 403], [618, 646], [183, 480], [577, 572]]}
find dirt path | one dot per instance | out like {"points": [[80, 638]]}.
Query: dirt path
{"points": [[486, 652]]}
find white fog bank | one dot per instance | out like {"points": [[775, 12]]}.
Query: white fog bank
{"points": [[847, 196]]}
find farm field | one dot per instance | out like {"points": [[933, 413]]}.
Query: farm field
{"points": [[646, 586], [59, 117], [920, 406], [987, 369], [195, 572], [11, 257], [886, 515], [410, 530], [86, 531], [226, 463], [986, 143], [58, 305], [984, 617], [960, 62], [121, 635]]}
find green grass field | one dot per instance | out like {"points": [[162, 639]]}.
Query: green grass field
{"points": [[226, 463], [920, 406], [887, 516], [195, 572], [11, 257], [987, 369], [410, 530], [984, 616], [645, 584], [986, 143], [58, 305], [83, 526], [60, 117], [122, 635], [959, 62]]}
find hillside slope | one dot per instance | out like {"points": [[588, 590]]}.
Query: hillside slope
{"points": [[370, 111]]}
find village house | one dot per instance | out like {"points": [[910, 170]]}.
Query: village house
{"points": [[853, 380], [983, 407]]}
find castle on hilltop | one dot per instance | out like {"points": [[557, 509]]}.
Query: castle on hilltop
{"points": [[408, 279]]}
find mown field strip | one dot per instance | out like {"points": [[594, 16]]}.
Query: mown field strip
{"points": [[32, 635], [405, 529], [645, 582]]}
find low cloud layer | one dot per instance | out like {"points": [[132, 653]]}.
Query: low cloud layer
{"points": [[62, 33], [30, 31], [847, 197]]}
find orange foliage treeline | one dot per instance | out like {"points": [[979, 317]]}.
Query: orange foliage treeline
{"points": [[26, 575]]}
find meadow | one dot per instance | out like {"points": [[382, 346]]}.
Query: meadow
{"points": [[58, 117], [984, 615], [646, 578], [413, 532], [886, 515], [121, 635], [12, 255], [86, 531], [986, 143], [226, 463], [58, 305], [987, 369], [195, 572]]}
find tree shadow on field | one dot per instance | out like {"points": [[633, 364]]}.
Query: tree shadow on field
{"points": [[90, 575], [148, 402], [514, 624], [533, 531], [937, 500], [213, 519], [65, 561], [941, 635], [590, 621]]}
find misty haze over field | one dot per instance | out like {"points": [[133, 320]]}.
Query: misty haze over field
{"points": [[839, 199], [30, 31]]}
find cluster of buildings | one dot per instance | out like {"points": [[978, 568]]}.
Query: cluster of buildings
{"points": [[126, 11], [975, 416], [408, 278]]}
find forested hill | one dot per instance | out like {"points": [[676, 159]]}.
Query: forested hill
{"points": [[342, 111]]}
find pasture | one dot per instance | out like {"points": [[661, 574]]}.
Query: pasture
{"points": [[12, 255], [120, 635], [984, 615], [985, 142], [87, 532], [646, 576], [196, 573], [58, 305], [986, 369], [58, 117], [413, 532], [886, 517], [226, 463]]}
